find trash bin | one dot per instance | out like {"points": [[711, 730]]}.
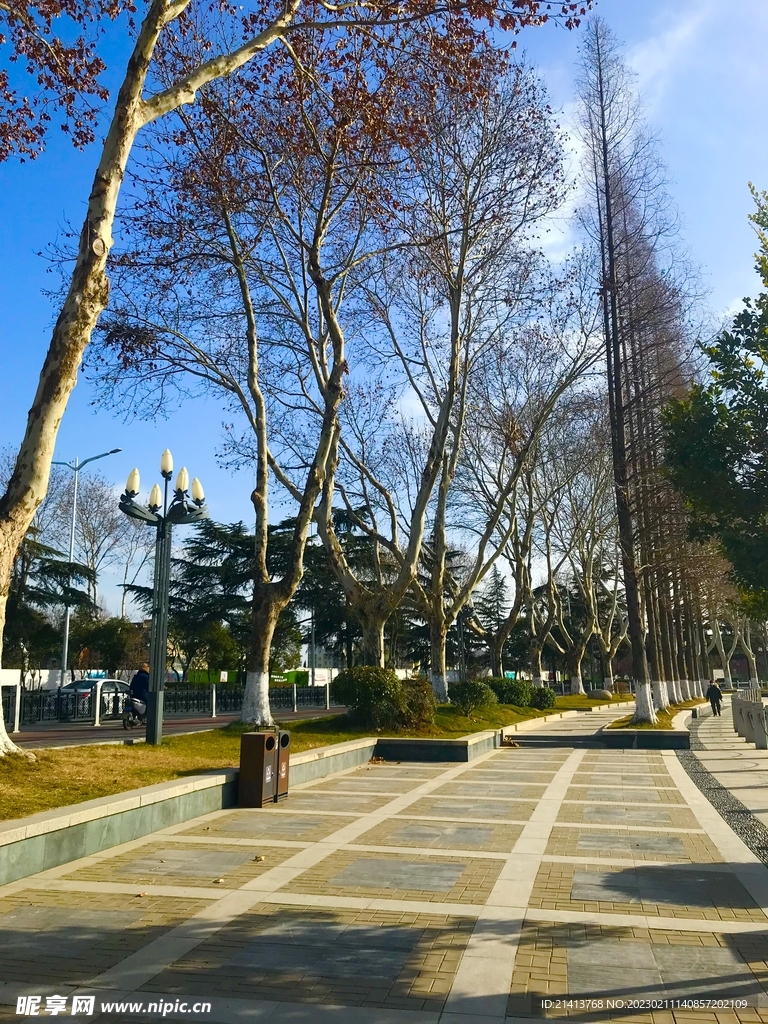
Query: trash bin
{"points": [[283, 759], [257, 784]]}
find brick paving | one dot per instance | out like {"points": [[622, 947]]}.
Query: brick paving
{"points": [[532, 883]]}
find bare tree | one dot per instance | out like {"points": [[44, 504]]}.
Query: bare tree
{"points": [[100, 528], [275, 267], [583, 524], [175, 52], [483, 176], [628, 215], [134, 553]]}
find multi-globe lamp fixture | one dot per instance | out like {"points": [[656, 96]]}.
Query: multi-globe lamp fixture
{"points": [[187, 506]]}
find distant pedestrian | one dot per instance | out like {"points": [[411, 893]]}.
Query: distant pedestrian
{"points": [[714, 696]]}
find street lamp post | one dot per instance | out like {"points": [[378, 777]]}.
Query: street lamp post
{"points": [[75, 466], [180, 512]]}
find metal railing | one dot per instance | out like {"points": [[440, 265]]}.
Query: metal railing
{"points": [[71, 706]]}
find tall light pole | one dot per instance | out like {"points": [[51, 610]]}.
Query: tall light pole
{"points": [[179, 512], [75, 466]]}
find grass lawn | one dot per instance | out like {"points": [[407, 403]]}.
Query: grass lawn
{"points": [[664, 718], [72, 774]]}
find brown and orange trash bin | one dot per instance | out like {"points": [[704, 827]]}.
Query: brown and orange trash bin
{"points": [[257, 784], [283, 764], [264, 767]]}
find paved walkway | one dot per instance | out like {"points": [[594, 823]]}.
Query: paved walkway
{"points": [[529, 883], [736, 764]]}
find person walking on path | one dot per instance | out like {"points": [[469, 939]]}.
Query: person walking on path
{"points": [[714, 696]]}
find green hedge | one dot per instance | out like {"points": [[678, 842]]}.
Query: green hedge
{"points": [[472, 694], [521, 693], [511, 691], [543, 698], [378, 699]]}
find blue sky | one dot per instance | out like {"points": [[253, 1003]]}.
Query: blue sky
{"points": [[702, 71]]}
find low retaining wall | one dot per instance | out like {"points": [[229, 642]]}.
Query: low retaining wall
{"points": [[466, 748], [322, 761], [645, 739], [676, 738], [52, 838]]}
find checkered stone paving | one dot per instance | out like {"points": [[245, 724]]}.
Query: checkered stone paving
{"points": [[522, 776], [55, 938], [477, 789], [447, 835], [345, 803], [567, 963], [374, 782], [260, 824], [624, 795], [416, 893], [664, 891], [636, 845], [398, 961], [402, 877], [616, 814], [161, 863], [480, 810]]}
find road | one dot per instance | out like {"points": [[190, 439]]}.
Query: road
{"points": [[64, 734]]}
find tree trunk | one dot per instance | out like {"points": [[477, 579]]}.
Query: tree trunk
{"points": [[746, 644], [495, 646], [7, 746], [437, 670], [373, 640], [667, 660], [574, 671], [265, 613], [536, 670], [608, 683], [725, 661]]}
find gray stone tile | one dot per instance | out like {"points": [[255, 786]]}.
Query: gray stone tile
{"points": [[187, 863], [474, 808], [323, 933], [667, 886], [631, 843], [398, 874], [606, 980], [691, 888], [604, 841], [272, 826], [323, 949], [626, 815], [638, 796], [58, 931], [446, 836], [626, 953], [605, 886], [336, 961], [672, 845], [705, 971]]}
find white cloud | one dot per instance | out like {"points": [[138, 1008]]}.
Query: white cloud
{"points": [[656, 60]]}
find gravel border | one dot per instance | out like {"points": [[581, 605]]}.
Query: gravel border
{"points": [[739, 818]]}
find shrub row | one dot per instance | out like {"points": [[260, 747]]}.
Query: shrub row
{"points": [[378, 699], [522, 693]]}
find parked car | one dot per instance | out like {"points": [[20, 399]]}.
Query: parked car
{"points": [[83, 686]]}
